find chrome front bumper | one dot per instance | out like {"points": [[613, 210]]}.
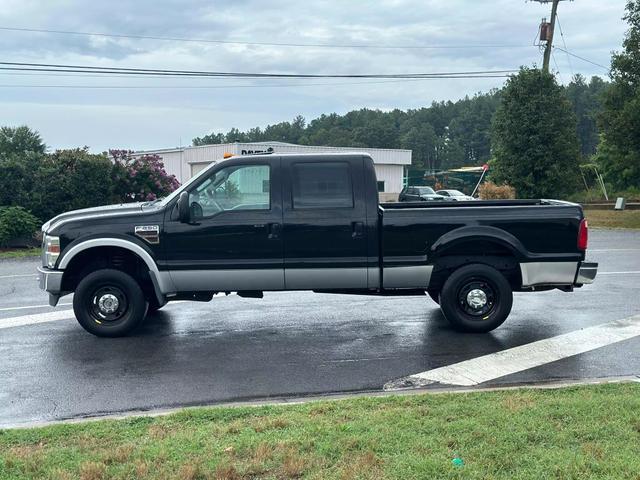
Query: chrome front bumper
{"points": [[587, 272], [51, 281]]}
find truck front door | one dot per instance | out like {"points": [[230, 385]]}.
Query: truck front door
{"points": [[324, 223], [234, 240]]}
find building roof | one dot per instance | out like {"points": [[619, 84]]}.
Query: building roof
{"points": [[266, 143], [215, 152]]}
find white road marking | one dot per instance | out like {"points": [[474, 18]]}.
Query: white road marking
{"points": [[16, 276], [613, 250], [26, 307], [47, 317], [36, 318], [619, 273], [513, 360]]}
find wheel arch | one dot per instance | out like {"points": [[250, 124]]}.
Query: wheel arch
{"points": [[478, 235], [477, 244], [118, 253], [74, 250]]}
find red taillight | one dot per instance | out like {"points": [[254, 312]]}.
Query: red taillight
{"points": [[583, 235]]}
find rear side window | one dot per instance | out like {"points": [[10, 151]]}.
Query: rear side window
{"points": [[322, 185]]}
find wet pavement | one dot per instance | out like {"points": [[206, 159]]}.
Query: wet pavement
{"points": [[287, 344]]}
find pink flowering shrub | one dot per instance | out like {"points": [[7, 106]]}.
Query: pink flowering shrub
{"points": [[140, 179]]}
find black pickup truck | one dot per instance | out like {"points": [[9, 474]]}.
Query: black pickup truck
{"points": [[308, 222]]}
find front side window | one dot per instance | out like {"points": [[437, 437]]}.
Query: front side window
{"points": [[237, 187], [322, 185]]}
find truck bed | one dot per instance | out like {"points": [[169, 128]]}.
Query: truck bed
{"points": [[543, 230]]}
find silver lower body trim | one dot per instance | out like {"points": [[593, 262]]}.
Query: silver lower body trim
{"points": [[325, 278], [225, 280], [416, 276], [373, 277], [548, 273]]}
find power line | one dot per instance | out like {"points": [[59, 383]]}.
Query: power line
{"points": [[260, 44], [557, 67], [581, 58], [46, 67], [565, 45], [288, 85]]}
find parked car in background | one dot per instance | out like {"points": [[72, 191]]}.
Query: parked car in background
{"points": [[455, 195], [419, 194]]}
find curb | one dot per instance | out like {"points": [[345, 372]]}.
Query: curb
{"points": [[297, 400]]}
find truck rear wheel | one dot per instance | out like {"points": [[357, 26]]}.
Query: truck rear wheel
{"points": [[109, 303], [476, 298]]}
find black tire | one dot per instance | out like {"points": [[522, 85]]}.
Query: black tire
{"points": [[464, 292], [95, 317], [435, 295]]}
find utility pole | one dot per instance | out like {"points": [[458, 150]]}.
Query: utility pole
{"points": [[546, 32]]}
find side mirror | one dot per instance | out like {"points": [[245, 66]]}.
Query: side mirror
{"points": [[184, 212]]}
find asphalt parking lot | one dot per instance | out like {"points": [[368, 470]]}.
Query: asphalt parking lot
{"points": [[299, 343]]}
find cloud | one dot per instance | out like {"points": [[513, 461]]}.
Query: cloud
{"points": [[148, 118]]}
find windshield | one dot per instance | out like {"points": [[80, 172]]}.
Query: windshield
{"points": [[426, 190], [456, 193]]}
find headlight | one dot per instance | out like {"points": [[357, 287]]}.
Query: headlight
{"points": [[51, 247]]}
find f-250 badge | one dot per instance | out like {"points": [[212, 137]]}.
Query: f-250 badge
{"points": [[149, 233]]}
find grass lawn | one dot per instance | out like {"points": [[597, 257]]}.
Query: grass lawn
{"points": [[613, 219], [577, 432], [20, 252]]}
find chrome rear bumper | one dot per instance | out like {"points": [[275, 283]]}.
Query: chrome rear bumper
{"points": [[586, 273]]}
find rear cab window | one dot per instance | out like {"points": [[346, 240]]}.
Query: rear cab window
{"points": [[321, 185]]}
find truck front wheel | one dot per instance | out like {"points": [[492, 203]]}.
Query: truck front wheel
{"points": [[109, 303], [476, 298]]}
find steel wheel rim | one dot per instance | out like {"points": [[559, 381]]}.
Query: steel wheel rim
{"points": [[478, 298], [108, 304]]}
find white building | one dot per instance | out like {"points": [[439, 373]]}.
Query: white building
{"points": [[187, 161]]}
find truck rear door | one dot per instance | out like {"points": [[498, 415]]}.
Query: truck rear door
{"points": [[324, 216]]}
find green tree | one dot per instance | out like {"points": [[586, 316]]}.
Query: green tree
{"points": [[68, 180], [21, 151], [141, 178], [619, 151], [421, 139], [20, 140], [534, 137], [586, 100]]}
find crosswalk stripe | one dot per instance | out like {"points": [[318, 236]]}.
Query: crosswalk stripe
{"points": [[36, 318], [513, 360]]}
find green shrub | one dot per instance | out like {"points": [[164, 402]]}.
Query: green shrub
{"points": [[69, 180], [16, 223], [491, 191]]}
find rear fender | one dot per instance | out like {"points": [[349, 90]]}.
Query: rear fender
{"points": [[475, 234]]}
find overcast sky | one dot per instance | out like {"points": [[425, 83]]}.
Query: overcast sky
{"points": [[147, 118]]}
